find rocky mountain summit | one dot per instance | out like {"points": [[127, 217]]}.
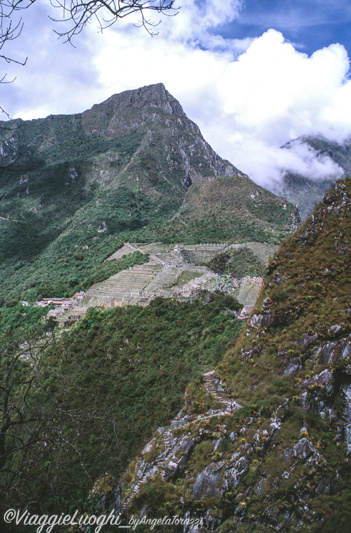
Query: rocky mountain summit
{"points": [[155, 122], [133, 168], [264, 442]]}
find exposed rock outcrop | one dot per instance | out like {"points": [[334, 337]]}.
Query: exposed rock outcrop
{"points": [[280, 461]]}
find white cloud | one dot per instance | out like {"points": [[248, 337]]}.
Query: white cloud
{"points": [[195, 19], [306, 161], [276, 91], [246, 107], [249, 97], [273, 94], [61, 79], [187, 72]]}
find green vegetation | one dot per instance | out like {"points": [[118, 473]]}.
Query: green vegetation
{"points": [[229, 209], [20, 321], [306, 292], [113, 266], [306, 305], [187, 276], [78, 404], [84, 184], [238, 263], [290, 369], [97, 393], [34, 266]]}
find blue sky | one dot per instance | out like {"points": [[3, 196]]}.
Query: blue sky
{"points": [[310, 24], [253, 74]]}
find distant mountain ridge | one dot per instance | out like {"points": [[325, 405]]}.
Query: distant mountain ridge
{"points": [[305, 191], [75, 187]]}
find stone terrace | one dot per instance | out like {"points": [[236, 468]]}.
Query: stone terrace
{"points": [[173, 270]]}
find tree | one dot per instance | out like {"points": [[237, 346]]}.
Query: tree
{"points": [[79, 13], [23, 420], [47, 450], [9, 30]]}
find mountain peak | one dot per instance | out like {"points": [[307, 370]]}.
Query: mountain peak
{"points": [[150, 96]]}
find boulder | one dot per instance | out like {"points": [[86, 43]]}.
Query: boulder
{"points": [[305, 340], [205, 485], [325, 379], [261, 320], [232, 436], [233, 475], [303, 449], [294, 366]]}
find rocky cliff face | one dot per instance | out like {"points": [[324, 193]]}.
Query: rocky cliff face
{"points": [[264, 443], [151, 96]]}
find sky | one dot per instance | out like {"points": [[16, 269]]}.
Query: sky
{"points": [[253, 74]]}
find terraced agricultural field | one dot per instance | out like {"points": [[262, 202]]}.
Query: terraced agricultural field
{"points": [[176, 271]]}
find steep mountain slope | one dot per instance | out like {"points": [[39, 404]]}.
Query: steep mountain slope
{"points": [[234, 209], [96, 392], [274, 456], [73, 188], [307, 192]]}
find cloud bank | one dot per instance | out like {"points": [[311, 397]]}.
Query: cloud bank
{"points": [[249, 97]]}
